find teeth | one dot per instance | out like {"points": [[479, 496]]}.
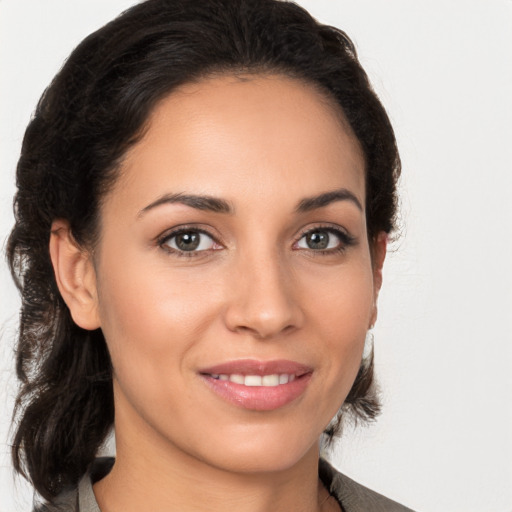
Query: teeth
{"points": [[270, 380], [237, 379], [252, 380], [256, 380]]}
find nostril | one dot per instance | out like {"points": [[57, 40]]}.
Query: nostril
{"points": [[288, 328], [262, 328]]}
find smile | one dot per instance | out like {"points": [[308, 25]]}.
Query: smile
{"points": [[256, 380], [258, 385]]}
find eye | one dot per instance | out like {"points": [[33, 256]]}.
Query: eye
{"points": [[188, 241], [324, 239]]}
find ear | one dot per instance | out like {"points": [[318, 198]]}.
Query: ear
{"points": [[75, 276], [378, 256]]}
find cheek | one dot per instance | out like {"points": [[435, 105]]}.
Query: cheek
{"points": [[340, 300], [148, 317], [340, 314]]}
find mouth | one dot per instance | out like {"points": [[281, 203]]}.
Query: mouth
{"points": [[270, 381], [257, 385]]}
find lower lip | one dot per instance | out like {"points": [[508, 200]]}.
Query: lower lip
{"points": [[259, 398]]}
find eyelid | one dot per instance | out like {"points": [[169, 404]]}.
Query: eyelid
{"points": [[163, 238], [346, 239]]}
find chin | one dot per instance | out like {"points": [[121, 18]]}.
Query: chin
{"points": [[260, 452]]}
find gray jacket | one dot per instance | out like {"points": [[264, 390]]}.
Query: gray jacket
{"points": [[352, 496]]}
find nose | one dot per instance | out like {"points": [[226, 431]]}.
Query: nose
{"points": [[264, 301]]}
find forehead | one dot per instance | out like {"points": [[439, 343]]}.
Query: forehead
{"points": [[261, 135]]}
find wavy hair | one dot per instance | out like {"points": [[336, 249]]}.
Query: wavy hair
{"points": [[94, 110]]}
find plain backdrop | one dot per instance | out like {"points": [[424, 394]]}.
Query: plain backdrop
{"points": [[443, 69]]}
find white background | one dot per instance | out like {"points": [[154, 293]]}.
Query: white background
{"points": [[443, 341]]}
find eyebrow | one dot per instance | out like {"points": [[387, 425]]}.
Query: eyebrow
{"points": [[322, 200], [199, 202], [217, 205]]}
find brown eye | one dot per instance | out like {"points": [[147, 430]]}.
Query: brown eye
{"points": [[189, 241]]}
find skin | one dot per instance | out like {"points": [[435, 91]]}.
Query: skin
{"points": [[262, 144]]}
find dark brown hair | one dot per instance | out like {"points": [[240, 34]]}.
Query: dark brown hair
{"points": [[92, 112]]}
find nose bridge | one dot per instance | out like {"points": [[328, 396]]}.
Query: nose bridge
{"points": [[263, 300]]}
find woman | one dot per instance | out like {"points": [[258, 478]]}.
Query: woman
{"points": [[204, 198]]}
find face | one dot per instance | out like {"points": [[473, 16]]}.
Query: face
{"points": [[234, 279]]}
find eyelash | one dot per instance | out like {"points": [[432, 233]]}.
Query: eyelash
{"points": [[345, 239], [163, 240]]}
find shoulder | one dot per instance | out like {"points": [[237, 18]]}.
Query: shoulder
{"points": [[67, 501], [355, 497], [80, 498]]}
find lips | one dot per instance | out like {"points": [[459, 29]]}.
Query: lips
{"points": [[258, 385]]}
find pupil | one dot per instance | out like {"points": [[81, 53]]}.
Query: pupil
{"points": [[318, 240], [187, 241]]}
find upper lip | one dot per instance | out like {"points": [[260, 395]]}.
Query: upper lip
{"points": [[254, 367]]}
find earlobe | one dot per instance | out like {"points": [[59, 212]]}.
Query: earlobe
{"points": [[75, 276], [379, 255]]}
